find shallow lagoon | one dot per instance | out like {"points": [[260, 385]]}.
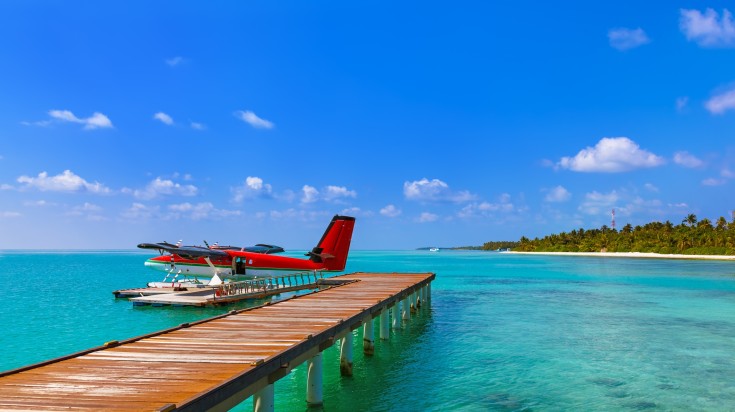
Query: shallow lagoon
{"points": [[505, 332]]}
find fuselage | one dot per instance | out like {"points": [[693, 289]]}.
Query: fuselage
{"points": [[243, 265]]}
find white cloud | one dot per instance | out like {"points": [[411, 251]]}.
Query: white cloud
{"points": [[681, 103], [96, 121], [199, 211], [253, 120], [175, 61], [9, 215], [651, 187], [625, 39], [310, 194], [6, 186], [427, 217], [596, 203], [390, 211], [725, 175], [611, 155], [162, 187], [434, 190], [687, 160], [253, 187], [707, 29], [293, 214], [355, 211], [88, 210], [485, 209], [713, 182], [67, 181], [557, 195], [198, 126], [140, 211], [721, 102], [39, 203], [334, 193], [164, 118], [40, 123]]}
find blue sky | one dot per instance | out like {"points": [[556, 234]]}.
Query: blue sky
{"points": [[250, 122]]}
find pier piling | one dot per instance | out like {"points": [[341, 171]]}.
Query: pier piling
{"points": [[314, 381], [345, 359], [368, 340]]}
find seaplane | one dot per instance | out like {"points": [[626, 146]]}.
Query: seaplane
{"points": [[192, 266]]}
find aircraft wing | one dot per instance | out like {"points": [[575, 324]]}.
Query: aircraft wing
{"points": [[185, 251]]}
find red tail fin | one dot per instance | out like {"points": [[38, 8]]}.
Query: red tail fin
{"points": [[334, 246]]}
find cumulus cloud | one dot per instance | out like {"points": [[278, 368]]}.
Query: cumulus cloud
{"points": [[6, 186], [611, 155], [9, 215], [66, 181], [485, 209], [596, 203], [651, 187], [725, 175], [175, 61], [96, 121], [708, 29], [687, 160], [434, 190], [253, 187], [557, 195], [199, 211], [625, 39], [334, 193], [163, 118], [390, 211], [139, 211], [162, 187], [198, 126], [355, 211], [88, 210], [253, 120], [293, 214], [681, 103], [721, 102], [309, 194], [427, 217]]}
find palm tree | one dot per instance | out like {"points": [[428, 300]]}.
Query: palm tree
{"points": [[721, 223], [691, 219]]}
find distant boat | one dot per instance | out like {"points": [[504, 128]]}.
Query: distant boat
{"points": [[434, 249]]}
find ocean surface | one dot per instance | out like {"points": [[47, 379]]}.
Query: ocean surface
{"points": [[504, 332]]}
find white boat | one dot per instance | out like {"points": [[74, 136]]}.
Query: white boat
{"points": [[434, 249]]}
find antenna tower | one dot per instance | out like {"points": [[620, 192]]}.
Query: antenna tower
{"points": [[612, 224]]}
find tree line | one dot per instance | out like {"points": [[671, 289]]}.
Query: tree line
{"points": [[691, 236]]}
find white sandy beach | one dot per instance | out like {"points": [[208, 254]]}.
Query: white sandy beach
{"points": [[629, 255]]}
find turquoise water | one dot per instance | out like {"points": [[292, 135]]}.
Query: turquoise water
{"points": [[503, 333]]}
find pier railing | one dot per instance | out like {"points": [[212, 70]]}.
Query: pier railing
{"points": [[288, 282]]}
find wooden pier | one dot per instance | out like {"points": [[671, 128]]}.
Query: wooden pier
{"points": [[217, 363]]}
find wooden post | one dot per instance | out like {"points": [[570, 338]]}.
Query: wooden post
{"points": [[264, 400], [414, 302], [406, 306], [368, 338], [384, 325], [395, 312], [345, 359], [314, 381], [428, 293]]}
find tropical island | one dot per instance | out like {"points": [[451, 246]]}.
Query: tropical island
{"points": [[691, 237]]}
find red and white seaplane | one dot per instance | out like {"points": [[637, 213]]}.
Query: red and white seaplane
{"points": [[185, 265]]}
